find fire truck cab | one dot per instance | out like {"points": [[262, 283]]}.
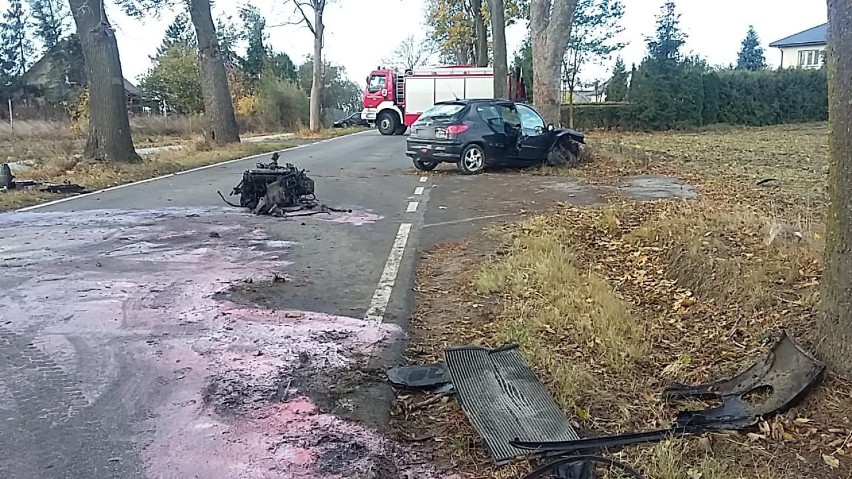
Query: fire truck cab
{"points": [[393, 101]]}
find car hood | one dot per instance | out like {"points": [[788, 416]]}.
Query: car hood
{"points": [[572, 134]]}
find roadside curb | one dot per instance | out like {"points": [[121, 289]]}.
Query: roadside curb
{"points": [[170, 175]]}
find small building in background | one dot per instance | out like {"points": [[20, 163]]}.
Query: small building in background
{"points": [[804, 49]]}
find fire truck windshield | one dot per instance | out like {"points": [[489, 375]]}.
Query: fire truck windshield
{"points": [[376, 83]]}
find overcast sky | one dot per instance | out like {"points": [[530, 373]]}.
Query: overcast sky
{"points": [[360, 33]]}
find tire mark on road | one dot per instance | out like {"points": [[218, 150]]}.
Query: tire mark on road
{"points": [[57, 433]]}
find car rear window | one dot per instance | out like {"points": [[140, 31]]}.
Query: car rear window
{"points": [[445, 110]]}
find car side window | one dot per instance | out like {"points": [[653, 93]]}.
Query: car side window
{"points": [[491, 116], [531, 122], [510, 116]]}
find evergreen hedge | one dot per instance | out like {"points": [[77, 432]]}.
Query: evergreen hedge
{"points": [[668, 95]]}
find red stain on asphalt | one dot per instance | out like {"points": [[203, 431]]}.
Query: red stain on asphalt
{"points": [[135, 291]]}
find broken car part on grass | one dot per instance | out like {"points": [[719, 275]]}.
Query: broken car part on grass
{"points": [[271, 189], [7, 183], [776, 383], [513, 414]]}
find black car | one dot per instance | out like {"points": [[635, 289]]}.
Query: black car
{"points": [[351, 120], [479, 133]]}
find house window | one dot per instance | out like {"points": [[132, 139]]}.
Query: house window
{"points": [[810, 58]]}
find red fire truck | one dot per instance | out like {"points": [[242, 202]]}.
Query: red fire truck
{"points": [[393, 101]]}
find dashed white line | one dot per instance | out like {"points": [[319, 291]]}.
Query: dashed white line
{"points": [[424, 179], [381, 298], [412, 206], [418, 190]]}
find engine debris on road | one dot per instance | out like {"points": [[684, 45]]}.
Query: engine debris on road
{"points": [[272, 189]]}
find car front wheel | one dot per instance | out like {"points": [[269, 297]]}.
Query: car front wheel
{"points": [[423, 165], [472, 160]]}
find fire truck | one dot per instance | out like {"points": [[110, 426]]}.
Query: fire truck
{"points": [[394, 101]]}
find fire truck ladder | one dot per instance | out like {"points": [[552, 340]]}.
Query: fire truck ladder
{"points": [[400, 88]]}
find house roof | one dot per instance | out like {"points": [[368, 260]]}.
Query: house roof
{"points": [[813, 36], [131, 88]]}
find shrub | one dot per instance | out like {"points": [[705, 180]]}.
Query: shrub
{"points": [[282, 103], [590, 116]]}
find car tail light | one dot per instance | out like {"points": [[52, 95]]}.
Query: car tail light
{"points": [[456, 129]]}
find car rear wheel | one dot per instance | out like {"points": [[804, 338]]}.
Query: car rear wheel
{"points": [[387, 123], [472, 160], [423, 165]]}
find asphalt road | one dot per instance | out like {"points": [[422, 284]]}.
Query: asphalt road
{"points": [[134, 320], [151, 331]]}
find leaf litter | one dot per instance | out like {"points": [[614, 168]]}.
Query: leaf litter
{"points": [[612, 304]]}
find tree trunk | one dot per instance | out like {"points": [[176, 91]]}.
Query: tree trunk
{"points": [[550, 26], [501, 62], [480, 30], [835, 325], [316, 84], [572, 82], [218, 107], [109, 126]]}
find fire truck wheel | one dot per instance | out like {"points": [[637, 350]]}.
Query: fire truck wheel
{"points": [[387, 123], [423, 165], [472, 160], [400, 130]]}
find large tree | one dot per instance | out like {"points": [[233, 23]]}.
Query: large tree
{"points": [[218, 107], [255, 36], [311, 14], [550, 27], [14, 33], [751, 56], [109, 126], [51, 18], [178, 33], [835, 325], [501, 62], [596, 24]]}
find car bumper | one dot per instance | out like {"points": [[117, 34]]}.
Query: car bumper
{"points": [[434, 151]]}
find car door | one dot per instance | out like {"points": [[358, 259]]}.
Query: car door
{"points": [[534, 139], [497, 142]]}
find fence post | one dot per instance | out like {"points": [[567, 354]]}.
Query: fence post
{"points": [[11, 121]]}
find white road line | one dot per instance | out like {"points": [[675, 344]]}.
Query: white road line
{"points": [[200, 168], [418, 190], [468, 220], [424, 179], [381, 298], [412, 206]]}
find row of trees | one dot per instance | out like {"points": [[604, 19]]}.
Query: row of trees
{"points": [[670, 89], [565, 35], [263, 83], [211, 42]]}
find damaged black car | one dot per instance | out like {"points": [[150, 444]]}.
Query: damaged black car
{"points": [[475, 134]]}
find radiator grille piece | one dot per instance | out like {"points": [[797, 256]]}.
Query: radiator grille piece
{"points": [[504, 400]]}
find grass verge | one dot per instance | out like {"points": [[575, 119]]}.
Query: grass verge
{"points": [[610, 305], [95, 176]]}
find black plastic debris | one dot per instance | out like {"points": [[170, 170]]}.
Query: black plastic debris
{"points": [[779, 381], [419, 377], [7, 182], [503, 399]]}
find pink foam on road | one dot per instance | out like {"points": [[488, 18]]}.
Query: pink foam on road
{"points": [[136, 288]]}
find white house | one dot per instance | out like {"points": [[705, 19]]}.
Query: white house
{"points": [[805, 49]]}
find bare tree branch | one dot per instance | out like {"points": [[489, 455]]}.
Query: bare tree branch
{"points": [[307, 21]]}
